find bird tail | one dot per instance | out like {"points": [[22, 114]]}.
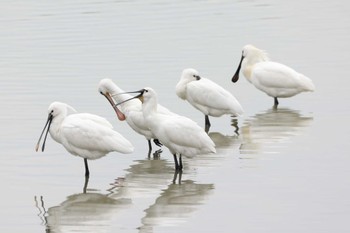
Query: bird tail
{"points": [[124, 145], [308, 85]]}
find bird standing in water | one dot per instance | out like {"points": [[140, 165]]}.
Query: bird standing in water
{"points": [[131, 111], [179, 134], [207, 96], [82, 134], [275, 79]]}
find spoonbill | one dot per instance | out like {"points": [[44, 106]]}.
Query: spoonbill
{"points": [[275, 79], [179, 134], [82, 134], [131, 111], [207, 96]]}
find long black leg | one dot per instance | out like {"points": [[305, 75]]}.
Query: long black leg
{"points": [[175, 176], [87, 172], [85, 184], [149, 148], [149, 145], [275, 102], [176, 163], [180, 177], [207, 123], [180, 163]]}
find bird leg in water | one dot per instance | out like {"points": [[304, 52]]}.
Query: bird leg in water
{"points": [[276, 102], [175, 176], [87, 172], [86, 183], [157, 142], [178, 164], [149, 146]]}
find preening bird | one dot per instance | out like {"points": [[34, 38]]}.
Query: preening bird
{"points": [[83, 134], [131, 111], [179, 134], [207, 96], [275, 79]]}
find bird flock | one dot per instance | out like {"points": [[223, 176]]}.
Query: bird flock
{"points": [[91, 137]]}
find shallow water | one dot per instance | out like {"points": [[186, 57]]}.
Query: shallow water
{"points": [[274, 171]]}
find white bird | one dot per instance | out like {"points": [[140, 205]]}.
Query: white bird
{"points": [[207, 96], [179, 134], [275, 79], [132, 109], [82, 134]]}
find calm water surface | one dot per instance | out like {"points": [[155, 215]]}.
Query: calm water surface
{"points": [[274, 171]]}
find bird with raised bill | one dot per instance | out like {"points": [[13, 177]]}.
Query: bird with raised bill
{"points": [[83, 134], [181, 135], [207, 96], [275, 79], [131, 111]]}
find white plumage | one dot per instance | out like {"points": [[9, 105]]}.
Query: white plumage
{"points": [[275, 79], [207, 96], [132, 109], [179, 134], [82, 134]]}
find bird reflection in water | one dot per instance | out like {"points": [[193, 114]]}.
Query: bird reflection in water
{"points": [[267, 131], [90, 211], [224, 141], [168, 199], [82, 212], [144, 178], [175, 205], [39, 204], [156, 154], [234, 124]]}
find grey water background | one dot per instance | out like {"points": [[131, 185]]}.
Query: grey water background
{"points": [[274, 171]]}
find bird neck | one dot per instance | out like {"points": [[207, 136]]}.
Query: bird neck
{"points": [[181, 89], [114, 89], [247, 69], [55, 127], [149, 107], [249, 62]]}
